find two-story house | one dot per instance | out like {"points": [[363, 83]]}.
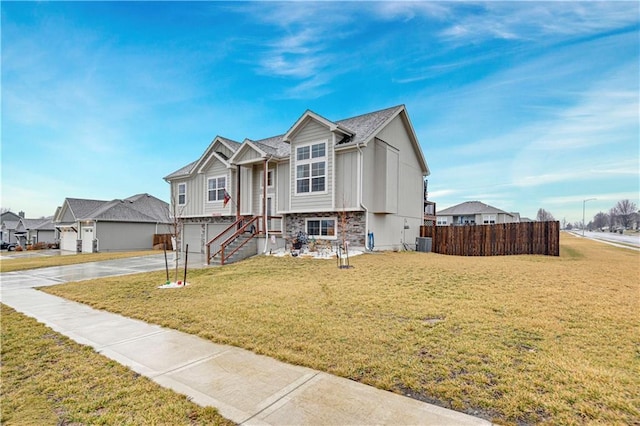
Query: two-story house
{"points": [[359, 179]]}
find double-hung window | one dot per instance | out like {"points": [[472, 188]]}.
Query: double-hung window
{"points": [[311, 168], [215, 188], [182, 194], [324, 228]]}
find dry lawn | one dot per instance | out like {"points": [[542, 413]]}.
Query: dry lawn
{"points": [[48, 379], [517, 340]]}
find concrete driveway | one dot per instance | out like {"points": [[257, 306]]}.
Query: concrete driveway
{"points": [[59, 274], [246, 388]]}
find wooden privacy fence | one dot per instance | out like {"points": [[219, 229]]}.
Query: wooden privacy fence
{"points": [[495, 240], [162, 239]]}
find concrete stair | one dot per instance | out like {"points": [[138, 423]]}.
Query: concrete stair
{"points": [[248, 250]]}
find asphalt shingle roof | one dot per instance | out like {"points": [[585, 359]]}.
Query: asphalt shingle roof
{"points": [[363, 126], [137, 208], [42, 224], [366, 124], [470, 208]]}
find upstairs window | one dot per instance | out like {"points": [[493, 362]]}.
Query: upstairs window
{"points": [[311, 168], [216, 188], [182, 194]]}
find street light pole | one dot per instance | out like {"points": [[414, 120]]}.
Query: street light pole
{"points": [[583, 205]]}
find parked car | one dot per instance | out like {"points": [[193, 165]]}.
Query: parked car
{"points": [[7, 246]]}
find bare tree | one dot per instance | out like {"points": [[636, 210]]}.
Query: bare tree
{"points": [[176, 226], [625, 211], [600, 220], [544, 216], [613, 218]]}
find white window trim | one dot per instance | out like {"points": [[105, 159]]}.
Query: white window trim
{"points": [[273, 178], [441, 221], [310, 161], [217, 189], [322, 237], [178, 193]]}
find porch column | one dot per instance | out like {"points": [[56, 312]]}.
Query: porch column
{"points": [[238, 192]]}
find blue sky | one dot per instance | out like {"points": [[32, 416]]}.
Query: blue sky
{"points": [[521, 105]]}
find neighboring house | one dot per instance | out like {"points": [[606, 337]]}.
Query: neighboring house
{"points": [[8, 224], [89, 226], [474, 213], [31, 231], [330, 179]]}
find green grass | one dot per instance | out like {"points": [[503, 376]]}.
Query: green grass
{"points": [[22, 263], [515, 339], [48, 379]]}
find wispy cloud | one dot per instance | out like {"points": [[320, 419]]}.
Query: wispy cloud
{"points": [[511, 21]]}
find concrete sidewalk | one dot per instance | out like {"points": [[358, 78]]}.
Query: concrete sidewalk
{"points": [[245, 387]]}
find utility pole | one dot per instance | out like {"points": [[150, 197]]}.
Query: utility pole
{"points": [[584, 202]]}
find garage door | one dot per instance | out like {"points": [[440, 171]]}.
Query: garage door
{"points": [[193, 234], [68, 240]]}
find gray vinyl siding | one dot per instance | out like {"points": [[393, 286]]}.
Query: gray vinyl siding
{"points": [[410, 178], [197, 193], [311, 133], [246, 189], [194, 199], [388, 225], [256, 189], [346, 185], [67, 217], [249, 154], [114, 236], [224, 150], [385, 181], [282, 185]]}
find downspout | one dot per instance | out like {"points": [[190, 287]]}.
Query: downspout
{"points": [[366, 210], [264, 205]]}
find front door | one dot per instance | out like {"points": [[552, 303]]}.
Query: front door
{"points": [[87, 240]]}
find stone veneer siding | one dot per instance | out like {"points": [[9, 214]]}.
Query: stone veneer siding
{"points": [[356, 232], [209, 219]]}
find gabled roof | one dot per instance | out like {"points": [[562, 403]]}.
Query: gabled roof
{"points": [[137, 208], [81, 208], [208, 153], [10, 225], [355, 130], [182, 172], [366, 125], [41, 224], [273, 147], [471, 208], [308, 114]]}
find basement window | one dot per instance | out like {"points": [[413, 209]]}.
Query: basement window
{"points": [[322, 228]]}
